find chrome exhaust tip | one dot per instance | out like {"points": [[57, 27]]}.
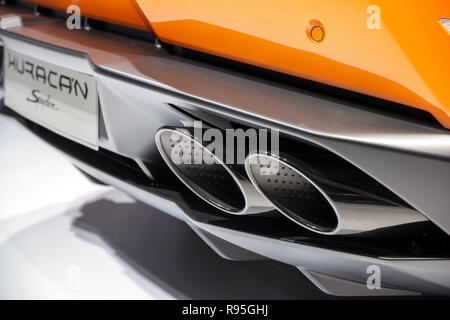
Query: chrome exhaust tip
{"points": [[292, 193], [225, 187], [302, 199]]}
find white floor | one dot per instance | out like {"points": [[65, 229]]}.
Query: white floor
{"points": [[41, 257]]}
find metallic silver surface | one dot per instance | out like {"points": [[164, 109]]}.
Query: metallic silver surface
{"points": [[301, 199], [205, 173], [423, 275], [137, 81], [420, 275], [225, 249], [344, 288]]}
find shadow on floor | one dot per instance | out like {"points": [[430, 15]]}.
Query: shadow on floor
{"points": [[169, 253]]}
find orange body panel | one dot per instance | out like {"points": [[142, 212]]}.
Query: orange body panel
{"points": [[407, 60], [123, 12]]}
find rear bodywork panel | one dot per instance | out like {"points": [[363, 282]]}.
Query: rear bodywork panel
{"points": [[142, 87], [404, 59]]}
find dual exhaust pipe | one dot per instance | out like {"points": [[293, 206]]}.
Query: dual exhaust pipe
{"points": [[267, 182], [225, 187]]}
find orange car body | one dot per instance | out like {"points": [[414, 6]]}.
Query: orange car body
{"points": [[394, 50]]}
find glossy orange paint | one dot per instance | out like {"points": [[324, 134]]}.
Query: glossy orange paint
{"points": [[406, 61], [122, 12]]}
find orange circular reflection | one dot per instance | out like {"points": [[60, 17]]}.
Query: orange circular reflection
{"points": [[315, 31]]}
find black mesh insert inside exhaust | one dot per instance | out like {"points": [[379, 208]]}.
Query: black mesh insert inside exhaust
{"points": [[293, 194], [207, 177]]}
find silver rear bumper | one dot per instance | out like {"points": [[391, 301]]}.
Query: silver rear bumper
{"points": [[138, 83]]}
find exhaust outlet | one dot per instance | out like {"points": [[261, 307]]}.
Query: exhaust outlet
{"points": [[317, 206], [225, 187]]}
